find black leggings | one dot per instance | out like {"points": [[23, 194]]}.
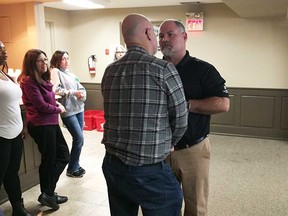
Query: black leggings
{"points": [[54, 155], [10, 159]]}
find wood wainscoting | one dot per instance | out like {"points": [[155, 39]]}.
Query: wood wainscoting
{"points": [[254, 112], [261, 113]]}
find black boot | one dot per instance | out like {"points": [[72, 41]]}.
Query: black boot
{"points": [[19, 209]]}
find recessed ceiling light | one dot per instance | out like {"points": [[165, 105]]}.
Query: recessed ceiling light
{"points": [[83, 4]]}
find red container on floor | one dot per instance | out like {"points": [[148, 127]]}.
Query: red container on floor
{"points": [[89, 123], [94, 119], [100, 122]]}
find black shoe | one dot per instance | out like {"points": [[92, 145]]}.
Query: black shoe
{"points": [[19, 209], [82, 170], [49, 201], [60, 199], [77, 174]]}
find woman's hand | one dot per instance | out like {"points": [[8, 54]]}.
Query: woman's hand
{"points": [[24, 133], [63, 110], [79, 95]]}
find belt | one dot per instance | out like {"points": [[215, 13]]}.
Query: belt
{"points": [[116, 159], [179, 147]]}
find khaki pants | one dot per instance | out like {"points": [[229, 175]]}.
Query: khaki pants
{"points": [[191, 167]]}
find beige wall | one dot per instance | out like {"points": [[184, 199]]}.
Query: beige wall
{"points": [[23, 31], [247, 52], [61, 31]]}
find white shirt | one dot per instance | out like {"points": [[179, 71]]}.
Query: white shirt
{"points": [[11, 123]]}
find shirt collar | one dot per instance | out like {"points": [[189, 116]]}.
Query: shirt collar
{"points": [[138, 49], [184, 60]]}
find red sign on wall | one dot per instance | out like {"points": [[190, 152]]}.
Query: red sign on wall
{"points": [[194, 22]]}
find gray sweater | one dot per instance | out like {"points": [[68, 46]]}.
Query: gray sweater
{"points": [[67, 85]]}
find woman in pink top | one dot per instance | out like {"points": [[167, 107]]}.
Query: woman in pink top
{"points": [[42, 123]]}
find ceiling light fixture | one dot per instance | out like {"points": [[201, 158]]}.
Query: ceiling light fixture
{"points": [[84, 4]]}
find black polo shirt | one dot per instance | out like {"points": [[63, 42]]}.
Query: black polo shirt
{"points": [[200, 80]]}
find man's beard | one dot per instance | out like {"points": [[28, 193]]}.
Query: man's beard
{"points": [[167, 51]]}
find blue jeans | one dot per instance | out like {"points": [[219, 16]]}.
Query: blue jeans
{"points": [[152, 187], [74, 125]]}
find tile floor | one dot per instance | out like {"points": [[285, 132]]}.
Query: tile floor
{"points": [[248, 177], [87, 195]]}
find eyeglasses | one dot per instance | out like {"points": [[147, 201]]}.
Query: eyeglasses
{"points": [[156, 30], [43, 61]]}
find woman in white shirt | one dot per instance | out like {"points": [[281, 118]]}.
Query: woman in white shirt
{"points": [[11, 143]]}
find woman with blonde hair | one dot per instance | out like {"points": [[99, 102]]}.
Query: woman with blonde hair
{"points": [[119, 52]]}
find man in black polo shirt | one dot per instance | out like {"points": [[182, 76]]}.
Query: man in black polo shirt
{"points": [[206, 94]]}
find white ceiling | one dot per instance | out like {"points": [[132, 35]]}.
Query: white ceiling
{"points": [[129, 3], [244, 8]]}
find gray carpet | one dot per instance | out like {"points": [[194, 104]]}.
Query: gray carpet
{"points": [[248, 177]]}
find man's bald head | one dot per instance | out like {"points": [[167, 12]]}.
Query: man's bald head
{"points": [[136, 30], [134, 24]]}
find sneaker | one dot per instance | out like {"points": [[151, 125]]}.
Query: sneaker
{"points": [[77, 174], [82, 170]]}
